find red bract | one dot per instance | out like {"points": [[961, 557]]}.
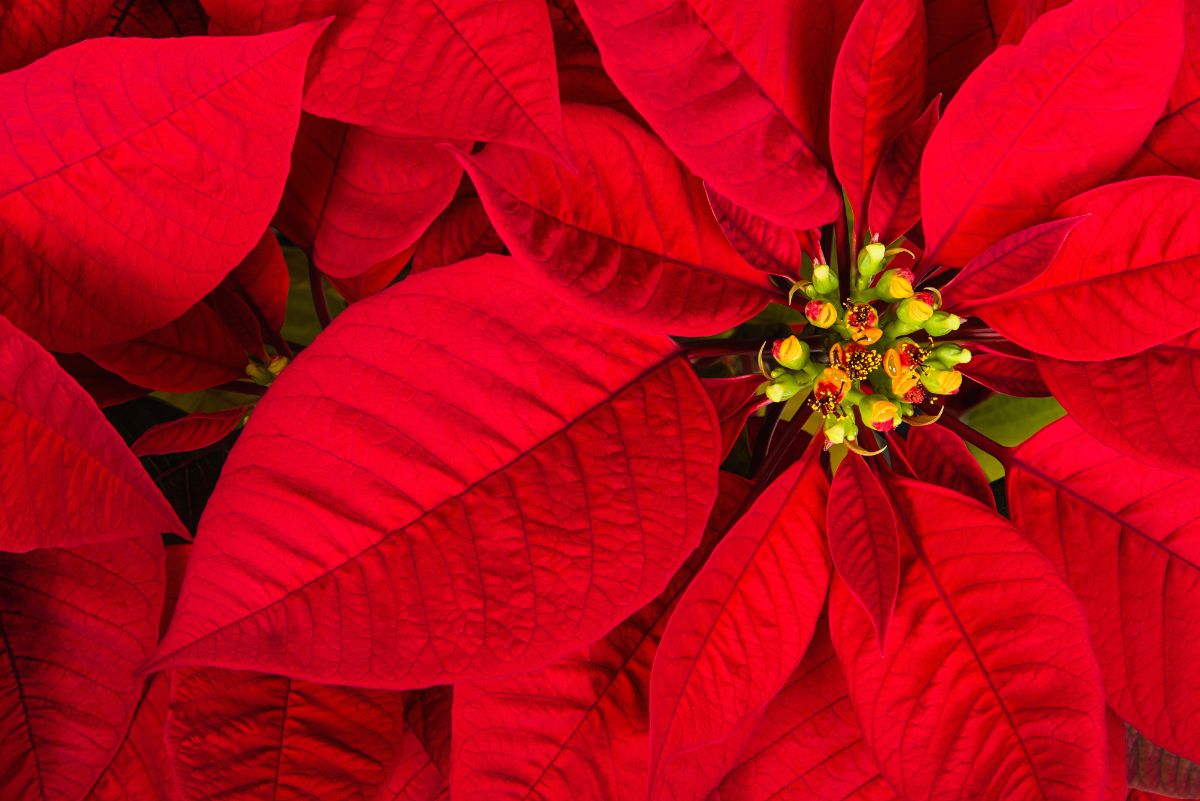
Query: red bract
{"points": [[570, 402]]}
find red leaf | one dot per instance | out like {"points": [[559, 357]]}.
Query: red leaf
{"points": [[374, 280], [878, 89], [808, 744], [1010, 263], [962, 33], [861, 527], [764, 245], [1127, 539], [133, 181], [1152, 768], [1113, 289], [106, 388], [194, 352], [74, 624], [422, 774], [1009, 375], [1139, 405], [68, 477], [140, 768], [1015, 142], [895, 205], [941, 458], [740, 629], [579, 728], [988, 688], [735, 400], [455, 69], [262, 280], [191, 433], [720, 89], [357, 197], [157, 19], [524, 479], [1115, 785], [30, 30], [463, 231], [239, 735], [630, 236]]}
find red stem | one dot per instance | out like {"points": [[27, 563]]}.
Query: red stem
{"points": [[320, 305], [999, 452]]}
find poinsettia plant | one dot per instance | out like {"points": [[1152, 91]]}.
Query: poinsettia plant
{"points": [[598, 399]]}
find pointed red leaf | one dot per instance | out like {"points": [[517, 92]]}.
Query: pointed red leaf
{"points": [[1010, 263], [735, 400], [423, 772], [234, 734], [808, 744], [630, 235], [261, 280], [194, 352], [1114, 288], [463, 231], [68, 477], [580, 727], [1127, 538], [1142, 405], [106, 388], [1006, 374], [895, 203], [763, 244], [940, 457], [30, 30], [722, 91], [988, 688], [375, 279], [523, 479], [962, 33], [74, 625], [739, 631], [861, 528], [133, 182], [197, 430], [141, 769], [356, 197], [461, 69], [878, 89], [1155, 769], [1014, 142]]}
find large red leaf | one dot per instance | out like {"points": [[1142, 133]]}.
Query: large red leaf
{"points": [[1141, 405], [1016, 141], [878, 89], [356, 197], [580, 727], [194, 352], [987, 688], [1010, 263], [808, 744], [895, 203], [1127, 538], [140, 769], [523, 480], [74, 625], [1116, 286], [861, 527], [940, 457], [30, 30], [132, 182], [730, 94], [739, 631], [239, 735], [763, 244], [68, 479], [735, 399], [463, 231], [630, 235], [462, 69], [1005, 373]]}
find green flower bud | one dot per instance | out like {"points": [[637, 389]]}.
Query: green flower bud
{"points": [[790, 352], [870, 259], [825, 280], [950, 355], [914, 311], [940, 381], [783, 385], [259, 374], [894, 285], [821, 313], [941, 323], [840, 429]]}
